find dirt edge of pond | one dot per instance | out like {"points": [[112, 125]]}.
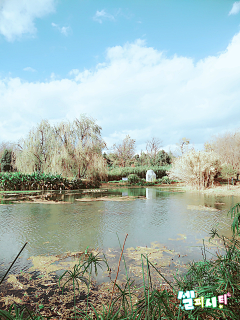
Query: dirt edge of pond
{"points": [[41, 289]]}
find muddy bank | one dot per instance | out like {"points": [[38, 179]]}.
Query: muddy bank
{"points": [[109, 198], [215, 190], [126, 185], [202, 208], [39, 289], [58, 198], [45, 296]]}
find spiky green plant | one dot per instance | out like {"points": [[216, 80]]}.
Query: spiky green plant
{"points": [[75, 276], [19, 313]]}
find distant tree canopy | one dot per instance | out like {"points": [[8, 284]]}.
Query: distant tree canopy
{"points": [[125, 151], [71, 148], [162, 158], [227, 171], [6, 161], [74, 149], [124, 154], [153, 146]]}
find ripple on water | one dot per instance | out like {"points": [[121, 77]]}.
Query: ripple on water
{"points": [[51, 229]]}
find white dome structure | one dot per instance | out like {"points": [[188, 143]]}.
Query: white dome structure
{"points": [[150, 176]]}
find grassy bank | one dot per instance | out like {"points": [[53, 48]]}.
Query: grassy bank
{"points": [[207, 278]]}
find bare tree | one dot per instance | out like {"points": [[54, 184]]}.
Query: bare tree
{"points": [[125, 151], [227, 146], [153, 146], [196, 168], [183, 144]]}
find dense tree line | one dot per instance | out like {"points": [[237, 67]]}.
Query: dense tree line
{"points": [[68, 148], [74, 149], [124, 154]]}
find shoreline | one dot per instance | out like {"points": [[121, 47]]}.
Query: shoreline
{"points": [[217, 190], [223, 190], [38, 196]]}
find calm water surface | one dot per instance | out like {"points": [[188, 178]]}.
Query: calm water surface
{"points": [[55, 229]]}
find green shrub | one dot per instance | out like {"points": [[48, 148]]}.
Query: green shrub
{"points": [[166, 180], [141, 182], [133, 179], [119, 173], [159, 181], [42, 181]]}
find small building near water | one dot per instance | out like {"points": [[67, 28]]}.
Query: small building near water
{"points": [[150, 176]]}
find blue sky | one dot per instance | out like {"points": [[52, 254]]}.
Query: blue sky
{"points": [[166, 69]]}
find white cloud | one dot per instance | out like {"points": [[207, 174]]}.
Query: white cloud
{"points": [[64, 30], [53, 76], [137, 90], [101, 15], [29, 69], [17, 16], [74, 72], [235, 8]]}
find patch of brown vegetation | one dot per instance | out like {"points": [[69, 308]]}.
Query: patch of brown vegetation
{"points": [[219, 190], [107, 198], [35, 290]]}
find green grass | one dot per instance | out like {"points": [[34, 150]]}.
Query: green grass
{"points": [[17, 191], [117, 181]]}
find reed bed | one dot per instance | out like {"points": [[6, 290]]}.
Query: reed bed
{"points": [[16, 181]]}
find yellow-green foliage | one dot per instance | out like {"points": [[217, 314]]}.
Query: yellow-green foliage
{"points": [[68, 148], [196, 168]]}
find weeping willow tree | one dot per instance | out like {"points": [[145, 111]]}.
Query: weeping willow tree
{"points": [[79, 150], [70, 148], [196, 168], [34, 153]]}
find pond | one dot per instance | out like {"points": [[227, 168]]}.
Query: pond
{"points": [[168, 216]]}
